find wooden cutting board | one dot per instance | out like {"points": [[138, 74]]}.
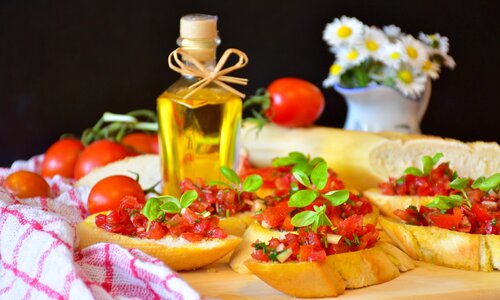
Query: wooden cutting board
{"points": [[426, 281]]}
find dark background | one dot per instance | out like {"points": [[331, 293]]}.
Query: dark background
{"points": [[63, 63]]}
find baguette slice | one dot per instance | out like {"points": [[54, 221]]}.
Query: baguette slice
{"points": [[176, 253], [388, 204], [339, 271], [474, 252], [256, 232], [237, 224], [363, 159], [147, 166]]}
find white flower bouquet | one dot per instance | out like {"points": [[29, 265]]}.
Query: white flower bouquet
{"points": [[367, 55]]}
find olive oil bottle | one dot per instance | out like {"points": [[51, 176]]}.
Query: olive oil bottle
{"points": [[198, 133]]}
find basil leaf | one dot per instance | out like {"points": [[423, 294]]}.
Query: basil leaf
{"points": [[170, 205], [459, 183], [445, 202], [303, 167], [252, 183], [151, 209], [302, 178], [315, 223], [230, 175], [298, 156], [317, 160], [282, 161], [304, 218], [478, 182], [413, 171], [319, 175], [490, 183], [188, 198], [437, 157], [302, 198], [337, 198], [427, 164]]}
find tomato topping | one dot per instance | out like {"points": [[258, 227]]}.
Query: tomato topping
{"points": [[127, 219]]}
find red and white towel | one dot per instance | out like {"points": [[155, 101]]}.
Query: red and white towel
{"points": [[38, 258]]}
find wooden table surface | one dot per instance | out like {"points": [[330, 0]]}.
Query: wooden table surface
{"points": [[426, 281]]}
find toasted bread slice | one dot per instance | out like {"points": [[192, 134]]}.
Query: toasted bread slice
{"points": [[339, 271], [237, 224], [474, 252], [299, 279], [176, 253], [388, 204]]}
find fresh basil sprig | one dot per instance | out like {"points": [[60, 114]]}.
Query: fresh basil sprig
{"points": [[299, 161], [491, 183], [446, 202], [427, 162], [315, 218], [156, 207], [251, 184], [314, 184]]}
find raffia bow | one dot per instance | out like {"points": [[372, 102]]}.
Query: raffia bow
{"points": [[217, 75]]}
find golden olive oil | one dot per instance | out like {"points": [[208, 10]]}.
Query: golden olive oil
{"points": [[198, 134]]}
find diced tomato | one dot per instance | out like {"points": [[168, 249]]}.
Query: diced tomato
{"points": [[192, 237], [260, 255], [448, 221]]}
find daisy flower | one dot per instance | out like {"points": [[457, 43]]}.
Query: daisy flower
{"points": [[435, 41], [393, 54], [350, 56], [416, 51], [431, 69], [409, 82], [373, 41], [392, 31], [336, 70], [343, 31]]}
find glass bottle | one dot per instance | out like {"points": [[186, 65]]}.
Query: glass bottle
{"points": [[198, 134]]}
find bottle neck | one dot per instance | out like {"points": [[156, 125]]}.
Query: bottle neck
{"points": [[203, 50]]}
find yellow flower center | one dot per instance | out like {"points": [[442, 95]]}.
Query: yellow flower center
{"points": [[352, 55], [405, 76], [344, 31], [371, 45], [412, 52], [427, 65], [395, 55], [335, 69]]}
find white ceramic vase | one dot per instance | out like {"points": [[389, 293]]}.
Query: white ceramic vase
{"points": [[381, 108]]}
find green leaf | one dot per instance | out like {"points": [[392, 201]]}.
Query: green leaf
{"points": [[302, 177], [151, 209], [429, 162], [298, 156], [252, 183], [437, 157], [230, 175], [292, 159], [413, 171], [316, 160], [486, 184], [319, 175], [304, 218], [188, 198], [303, 167], [459, 183], [302, 198], [170, 204], [216, 182], [446, 202], [337, 198]]}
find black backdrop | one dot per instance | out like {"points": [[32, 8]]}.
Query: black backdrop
{"points": [[63, 63]]}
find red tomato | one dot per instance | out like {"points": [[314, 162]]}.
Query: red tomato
{"points": [[61, 158], [99, 154], [294, 102], [25, 184], [141, 142], [109, 192]]}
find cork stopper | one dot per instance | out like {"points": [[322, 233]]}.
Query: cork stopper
{"points": [[198, 26]]}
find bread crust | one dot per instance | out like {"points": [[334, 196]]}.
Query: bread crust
{"points": [[176, 253], [338, 272], [387, 204], [474, 252]]}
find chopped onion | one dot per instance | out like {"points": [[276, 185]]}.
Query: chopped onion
{"points": [[283, 256], [333, 238]]}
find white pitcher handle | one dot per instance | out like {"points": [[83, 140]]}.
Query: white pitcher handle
{"points": [[424, 100]]}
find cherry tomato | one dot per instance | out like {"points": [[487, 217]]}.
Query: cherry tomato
{"points": [[26, 184], [294, 102], [61, 158], [141, 142], [98, 154], [109, 192]]}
